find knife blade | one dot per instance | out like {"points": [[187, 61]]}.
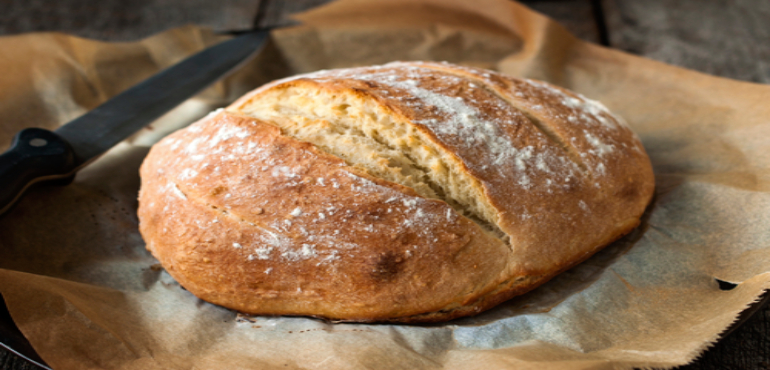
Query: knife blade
{"points": [[41, 155]]}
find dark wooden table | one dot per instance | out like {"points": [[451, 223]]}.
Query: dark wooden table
{"points": [[729, 38]]}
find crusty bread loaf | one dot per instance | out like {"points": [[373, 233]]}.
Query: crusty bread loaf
{"points": [[409, 192]]}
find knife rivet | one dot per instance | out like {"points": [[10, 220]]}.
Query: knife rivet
{"points": [[38, 142]]}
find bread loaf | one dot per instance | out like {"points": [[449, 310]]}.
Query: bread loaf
{"points": [[408, 192]]}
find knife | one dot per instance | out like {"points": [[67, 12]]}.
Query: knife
{"points": [[55, 156]]}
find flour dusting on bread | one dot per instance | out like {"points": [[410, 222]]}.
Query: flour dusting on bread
{"points": [[410, 192]]}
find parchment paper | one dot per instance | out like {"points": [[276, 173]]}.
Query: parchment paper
{"points": [[80, 285]]}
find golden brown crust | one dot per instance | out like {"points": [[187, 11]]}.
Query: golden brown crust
{"points": [[314, 236], [251, 219]]}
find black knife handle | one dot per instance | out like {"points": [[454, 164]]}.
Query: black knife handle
{"points": [[35, 155]]}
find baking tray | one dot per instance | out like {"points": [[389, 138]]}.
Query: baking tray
{"points": [[12, 339]]}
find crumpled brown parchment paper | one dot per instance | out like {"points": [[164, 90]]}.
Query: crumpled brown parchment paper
{"points": [[80, 285]]}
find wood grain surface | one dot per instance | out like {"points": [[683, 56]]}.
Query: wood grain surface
{"points": [[728, 38], [122, 20]]}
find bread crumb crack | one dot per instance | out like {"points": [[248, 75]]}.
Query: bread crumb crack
{"points": [[366, 135]]}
